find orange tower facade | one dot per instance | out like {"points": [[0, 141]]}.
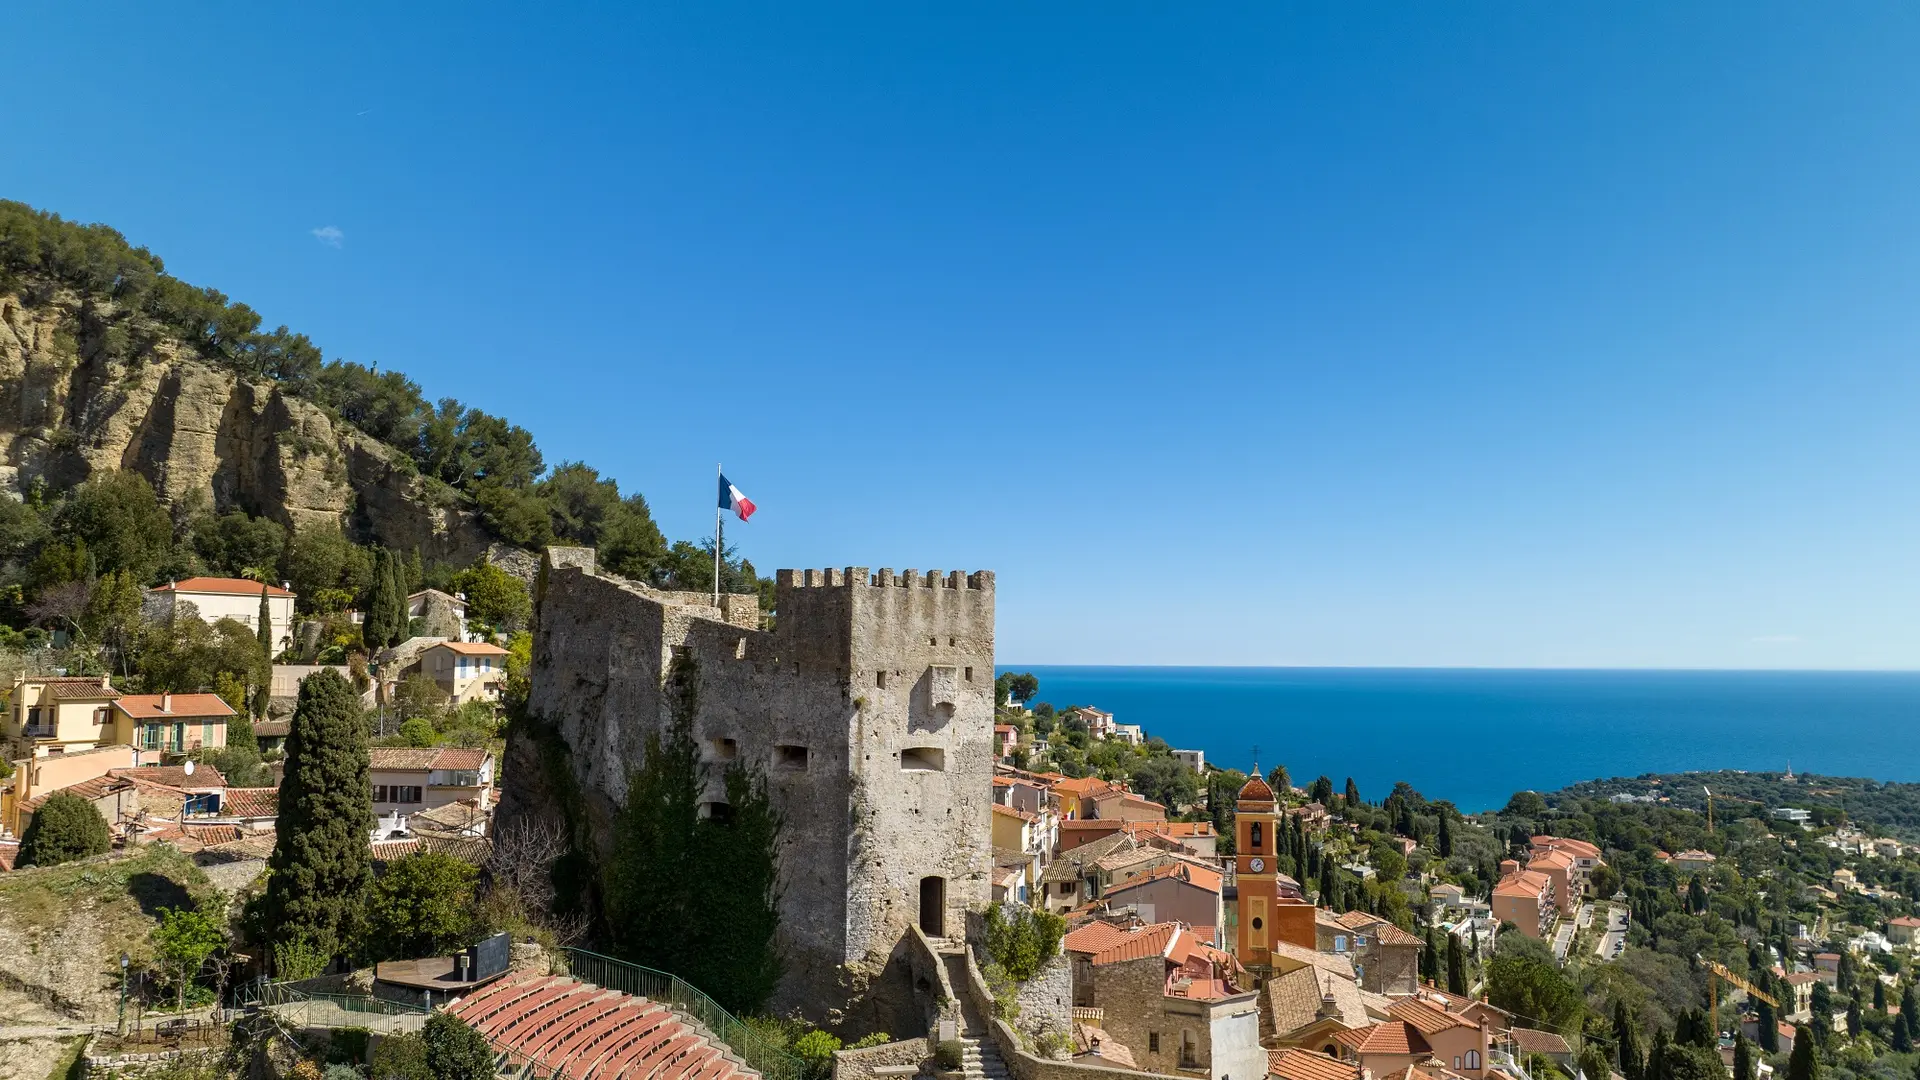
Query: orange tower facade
{"points": [[1266, 914]]}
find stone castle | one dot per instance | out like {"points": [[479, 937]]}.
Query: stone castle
{"points": [[870, 707]]}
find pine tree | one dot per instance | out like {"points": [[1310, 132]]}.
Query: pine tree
{"points": [[1456, 967], [1804, 1064], [321, 864]]}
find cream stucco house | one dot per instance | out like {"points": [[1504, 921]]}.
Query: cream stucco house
{"points": [[233, 598]]}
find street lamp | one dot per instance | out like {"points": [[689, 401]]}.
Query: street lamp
{"points": [[123, 994]]}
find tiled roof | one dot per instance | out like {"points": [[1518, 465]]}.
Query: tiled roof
{"points": [[272, 729], [1337, 963], [468, 850], [253, 845], [77, 689], [1695, 856], [1903, 920], [1294, 1000], [421, 759], [1159, 939], [1094, 938], [470, 648], [175, 776], [1525, 883], [250, 802], [1004, 729], [1197, 876], [1534, 1041], [227, 586], [9, 854], [1389, 934], [1012, 812], [1256, 789], [1578, 848], [98, 787], [1429, 1020], [1294, 1063], [1093, 1042], [1070, 865], [578, 1030], [1802, 978], [179, 706], [1551, 859], [212, 834], [1390, 1037], [454, 815], [1085, 786]]}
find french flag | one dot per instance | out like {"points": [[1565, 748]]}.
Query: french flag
{"points": [[732, 499]]}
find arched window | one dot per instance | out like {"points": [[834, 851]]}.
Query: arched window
{"points": [[1473, 1059], [1253, 837]]}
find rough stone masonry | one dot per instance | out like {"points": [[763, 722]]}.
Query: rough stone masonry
{"points": [[870, 707]]}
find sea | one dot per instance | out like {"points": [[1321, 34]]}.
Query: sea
{"points": [[1476, 736]]}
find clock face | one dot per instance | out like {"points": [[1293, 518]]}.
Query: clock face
{"points": [[1257, 864]]}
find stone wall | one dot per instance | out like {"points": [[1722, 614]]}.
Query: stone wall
{"points": [[1046, 1000], [1020, 1062], [895, 1059], [869, 706]]}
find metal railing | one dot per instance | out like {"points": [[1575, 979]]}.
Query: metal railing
{"points": [[314, 1008], [760, 1054]]}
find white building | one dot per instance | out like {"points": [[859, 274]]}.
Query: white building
{"points": [[215, 598], [1192, 759]]}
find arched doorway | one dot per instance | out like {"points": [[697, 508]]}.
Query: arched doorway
{"points": [[933, 906]]}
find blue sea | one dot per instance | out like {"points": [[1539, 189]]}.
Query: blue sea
{"points": [[1476, 736]]}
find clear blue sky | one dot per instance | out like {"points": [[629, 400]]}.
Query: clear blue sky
{"points": [[1402, 334]]}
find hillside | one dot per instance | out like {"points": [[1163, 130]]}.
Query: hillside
{"points": [[107, 362], [1893, 808]]}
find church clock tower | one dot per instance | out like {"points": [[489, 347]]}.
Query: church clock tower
{"points": [[1256, 817]]}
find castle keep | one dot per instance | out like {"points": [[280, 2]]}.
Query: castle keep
{"points": [[869, 706]]}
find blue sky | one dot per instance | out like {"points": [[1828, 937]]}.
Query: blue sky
{"points": [[1463, 334]]}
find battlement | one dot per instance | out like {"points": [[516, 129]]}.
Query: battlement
{"points": [[857, 576]]}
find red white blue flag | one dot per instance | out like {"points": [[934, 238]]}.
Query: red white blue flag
{"points": [[732, 499]]}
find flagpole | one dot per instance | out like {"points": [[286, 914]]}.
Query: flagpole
{"points": [[719, 535]]}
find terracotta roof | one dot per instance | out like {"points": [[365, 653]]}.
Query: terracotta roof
{"points": [[1535, 1041], [1197, 876], [1004, 729], [273, 729], [1389, 934], [1903, 920], [1337, 963], [1527, 883], [212, 834], [1578, 848], [469, 648], [1013, 812], [98, 787], [175, 776], [1256, 789], [179, 706], [1294, 1063], [1802, 978], [250, 802], [1094, 938], [1095, 825], [1094, 1042], [1429, 1020], [1159, 939], [1552, 859], [1176, 829], [465, 849], [228, 586], [253, 845], [67, 688], [454, 815], [421, 759], [1391, 1037], [1294, 1000], [1085, 786], [1069, 865]]}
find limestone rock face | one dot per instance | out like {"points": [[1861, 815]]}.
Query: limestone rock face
{"points": [[70, 407]]}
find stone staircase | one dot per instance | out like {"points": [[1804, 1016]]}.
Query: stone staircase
{"points": [[979, 1058]]}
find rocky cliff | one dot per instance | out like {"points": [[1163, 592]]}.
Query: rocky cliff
{"points": [[74, 400]]}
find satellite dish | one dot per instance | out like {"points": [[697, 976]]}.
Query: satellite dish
{"points": [[189, 768]]}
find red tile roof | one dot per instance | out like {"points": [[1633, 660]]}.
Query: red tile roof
{"points": [[1388, 933], [66, 688], [422, 759], [229, 586], [1535, 1041], [1429, 1020], [175, 776], [179, 706], [1903, 920], [1297, 1064], [98, 787], [250, 802], [1094, 938], [1160, 939], [1013, 812], [1256, 789], [470, 648], [1197, 876], [1526, 883], [1391, 1037]]}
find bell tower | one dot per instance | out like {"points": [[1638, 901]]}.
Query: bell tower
{"points": [[1255, 819]]}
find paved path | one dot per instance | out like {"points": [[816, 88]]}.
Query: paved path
{"points": [[1614, 941]]}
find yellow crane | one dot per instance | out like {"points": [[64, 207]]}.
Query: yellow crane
{"points": [[1717, 973]]}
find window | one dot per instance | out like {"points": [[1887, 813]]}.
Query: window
{"points": [[206, 733], [723, 749], [880, 679], [1456, 1061], [396, 793], [1473, 1059], [716, 811], [923, 759], [100, 715], [969, 674], [1153, 1042], [1253, 837], [790, 757], [1259, 923], [1340, 943]]}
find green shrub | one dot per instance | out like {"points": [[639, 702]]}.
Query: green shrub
{"points": [[878, 1038], [455, 1051], [949, 1054], [1022, 940], [816, 1045], [66, 827], [399, 1057]]}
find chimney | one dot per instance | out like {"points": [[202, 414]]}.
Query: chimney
{"points": [[106, 683], [1508, 866], [166, 702]]}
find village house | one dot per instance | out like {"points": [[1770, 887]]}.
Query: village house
{"points": [[1827, 966], [1005, 738], [407, 780], [57, 715], [1170, 998], [1693, 861], [443, 611], [1800, 985], [1582, 860], [1308, 1005], [1173, 892], [465, 670], [1526, 899], [1456, 1041], [1900, 929], [1012, 879], [1520, 1042], [214, 598], [1386, 959], [35, 778], [1293, 1063], [171, 725], [1384, 1048], [1116, 804], [1099, 722]]}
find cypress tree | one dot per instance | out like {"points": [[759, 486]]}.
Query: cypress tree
{"points": [[1909, 1009], [1456, 967], [1853, 1018], [1879, 996], [1804, 1064], [739, 880], [1742, 1058], [1626, 1038], [1353, 793], [1429, 959], [1822, 1012], [1658, 1067], [376, 623], [1446, 836], [1769, 1027], [321, 864], [263, 627], [1902, 1041], [397, 598], [1696, 896]]}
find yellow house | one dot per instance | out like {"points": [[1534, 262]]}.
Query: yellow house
{"points": [[58, 715], [37, 777], [466, 670], [1012, 829], [171, 723]]}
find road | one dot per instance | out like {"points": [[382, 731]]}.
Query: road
{"points": [[1614, 941]]}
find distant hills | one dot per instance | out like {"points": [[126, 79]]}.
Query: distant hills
{"points": [[1891, 807]]}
